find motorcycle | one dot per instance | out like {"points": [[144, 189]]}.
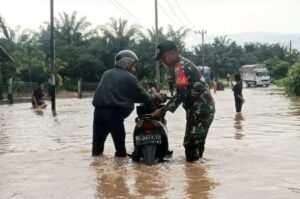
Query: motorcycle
{"points": [[150, 136]]}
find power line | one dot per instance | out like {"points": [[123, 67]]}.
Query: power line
{"points": [[184, 15], [120, 9], [175, 13], [166, 13], [202, 32], [127, 11]]}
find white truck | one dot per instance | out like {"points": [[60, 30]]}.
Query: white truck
{"points": [[206, 71], [255, 75]]}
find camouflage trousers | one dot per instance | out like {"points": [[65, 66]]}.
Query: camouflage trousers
{"points": [[200, 111]]}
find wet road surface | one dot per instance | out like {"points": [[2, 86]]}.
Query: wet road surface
{"points": [[253, 155]]}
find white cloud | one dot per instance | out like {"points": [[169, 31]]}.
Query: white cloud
{"points": [[217, 16]]}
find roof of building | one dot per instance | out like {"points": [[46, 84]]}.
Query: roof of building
{"points": [[4, 55]]}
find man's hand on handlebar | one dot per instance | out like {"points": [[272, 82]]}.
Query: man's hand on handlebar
{"points": [[157, 113], [161, 97]]}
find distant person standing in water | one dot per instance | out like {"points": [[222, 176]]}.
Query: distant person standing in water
{"points": [[228, 79], [215, 85], [238, 94], [38, 97]]}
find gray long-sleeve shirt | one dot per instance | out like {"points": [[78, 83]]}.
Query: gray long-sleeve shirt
{"points": [[118, 88]]}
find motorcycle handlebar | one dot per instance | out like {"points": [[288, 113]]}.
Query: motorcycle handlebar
{"points": [[148, 116], [145, 116]]}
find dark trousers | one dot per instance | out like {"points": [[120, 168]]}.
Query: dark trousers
{"points": [[238, 105], [108, 120], [171, 88]]}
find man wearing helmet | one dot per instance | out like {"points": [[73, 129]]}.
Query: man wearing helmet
{"points": [[195, 96], [114, 100]]}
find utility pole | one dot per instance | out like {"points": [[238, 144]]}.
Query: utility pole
{"points": [[202, 32], [0, 73], [290, 57], [156, 43], [52, 58]]}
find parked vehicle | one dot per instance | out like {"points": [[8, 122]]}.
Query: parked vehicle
{"points": [[206, 72], [255, 75]]}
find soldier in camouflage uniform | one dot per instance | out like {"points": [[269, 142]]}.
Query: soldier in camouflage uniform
{"points": [[195, 96]]}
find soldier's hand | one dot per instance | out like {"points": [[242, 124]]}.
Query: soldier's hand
{"points": [[165, 96], [161, 97]]}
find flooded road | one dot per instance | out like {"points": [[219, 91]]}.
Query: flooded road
{"points": [[256, 155]]}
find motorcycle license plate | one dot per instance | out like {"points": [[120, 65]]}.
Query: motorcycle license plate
{"points": [[147, 139]]}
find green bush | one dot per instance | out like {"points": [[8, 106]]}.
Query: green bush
{"points": [[280, 82], [34, 74], [69, 84], [278, 68], [292, 81]]}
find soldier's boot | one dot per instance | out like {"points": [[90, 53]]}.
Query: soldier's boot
{"points": [[201, 151], [191, 153]]}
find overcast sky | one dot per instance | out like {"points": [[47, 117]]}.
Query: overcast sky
{"points": [[216, 16]]}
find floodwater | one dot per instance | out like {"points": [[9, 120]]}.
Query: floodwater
{"points": [[256, 155]]}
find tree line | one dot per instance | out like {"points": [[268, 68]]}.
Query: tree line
{"points": [[85, 52]]}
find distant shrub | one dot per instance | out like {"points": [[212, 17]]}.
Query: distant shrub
{"points": [[292, 81]]}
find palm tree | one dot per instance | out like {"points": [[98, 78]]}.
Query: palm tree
{"points": [[119, 35], [178, 36], [152, 35], [4, 28], [73, 30]]}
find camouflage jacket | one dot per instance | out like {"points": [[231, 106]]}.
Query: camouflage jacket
{"points": [[190, 90]]}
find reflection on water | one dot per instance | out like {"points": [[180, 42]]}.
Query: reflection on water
{"points": [[295, 106], [121, 178], [111, 179], [150, 181], [38, 112], [238, 125], [198, 184], [254, 155]]}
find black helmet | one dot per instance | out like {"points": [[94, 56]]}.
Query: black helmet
{"points": [[125, 59], [163, 47]]}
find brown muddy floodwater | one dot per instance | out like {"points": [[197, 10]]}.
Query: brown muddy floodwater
{"points": [[253, 156]]}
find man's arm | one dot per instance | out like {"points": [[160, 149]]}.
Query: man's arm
{"points": [[138, 93], [176, 100], [239, 92]]}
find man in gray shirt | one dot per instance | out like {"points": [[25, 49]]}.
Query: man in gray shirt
{"points": [[114, 100]]}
